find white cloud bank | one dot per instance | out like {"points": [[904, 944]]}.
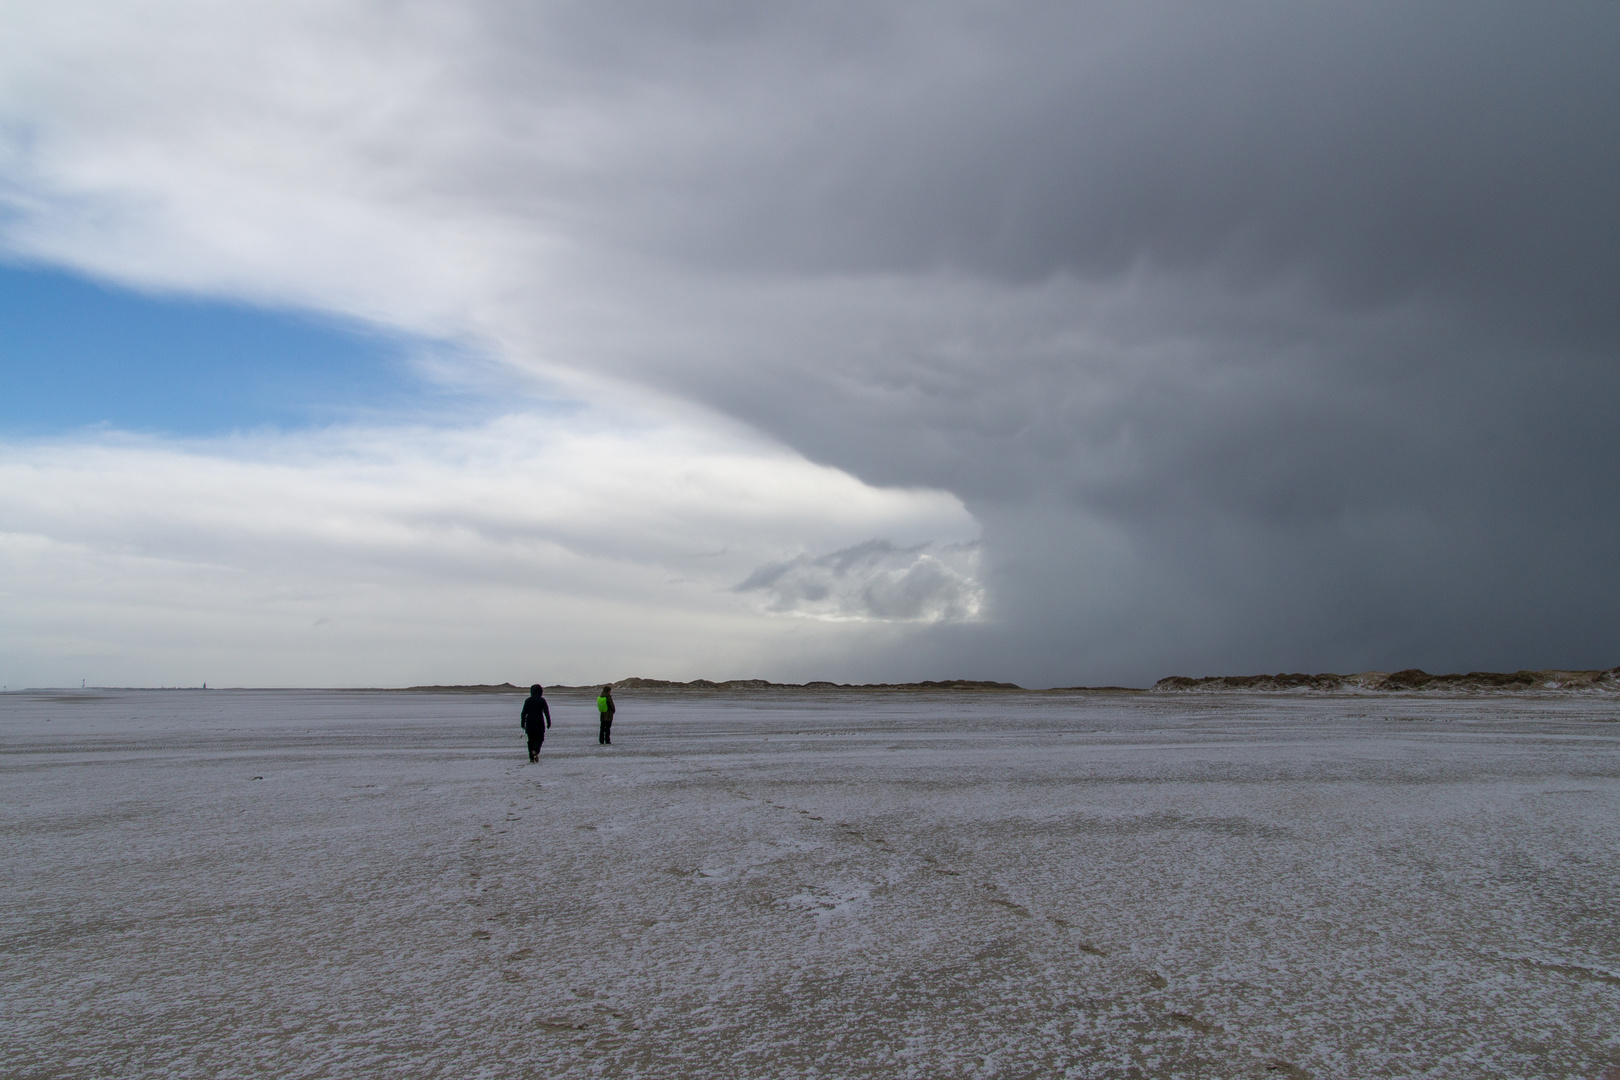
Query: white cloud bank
{"points": [[521, 549]]}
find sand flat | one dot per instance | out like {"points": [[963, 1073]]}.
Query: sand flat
{"points": [[335, 884]]}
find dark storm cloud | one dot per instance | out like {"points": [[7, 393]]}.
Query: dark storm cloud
{"points": [[1462, 150], [1257, 335]]}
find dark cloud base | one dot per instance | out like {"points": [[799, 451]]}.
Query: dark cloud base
{"points": [[1256, 336]]}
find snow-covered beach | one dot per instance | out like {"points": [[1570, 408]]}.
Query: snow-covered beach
{"points": [[367, 884]]}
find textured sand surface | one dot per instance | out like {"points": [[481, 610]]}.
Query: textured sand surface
{"points": [[312, 884]]}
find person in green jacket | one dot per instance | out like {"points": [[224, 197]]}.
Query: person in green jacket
{"points": [[605, 709]]}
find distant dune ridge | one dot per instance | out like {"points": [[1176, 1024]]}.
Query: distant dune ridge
{"points": [[1408, 681], [1412, 679], [762, 684], [707, 685], [732, 684], [476, 688]]}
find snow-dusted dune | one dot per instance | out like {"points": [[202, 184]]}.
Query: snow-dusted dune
{"points": [[324, 884]]}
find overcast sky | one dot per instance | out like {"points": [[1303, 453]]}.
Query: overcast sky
{"points": [[1054, 343]]}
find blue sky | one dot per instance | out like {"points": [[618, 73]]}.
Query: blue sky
{"points": [[76, 354]]}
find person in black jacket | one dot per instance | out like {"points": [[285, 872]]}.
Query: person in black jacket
{"points": [[535, 719]]}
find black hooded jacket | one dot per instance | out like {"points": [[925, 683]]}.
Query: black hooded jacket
{"points": [[536, 709]]}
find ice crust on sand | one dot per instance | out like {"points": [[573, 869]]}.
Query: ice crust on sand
{"points": [[317, 884]]}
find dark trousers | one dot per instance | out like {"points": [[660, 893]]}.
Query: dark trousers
{"points": [[536, 737], [606, 734]]}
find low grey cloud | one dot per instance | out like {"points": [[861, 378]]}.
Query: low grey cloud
{"points": [[874, 580]]}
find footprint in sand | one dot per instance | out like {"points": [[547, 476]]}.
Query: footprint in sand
{"points": [[1200, 1026]]}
